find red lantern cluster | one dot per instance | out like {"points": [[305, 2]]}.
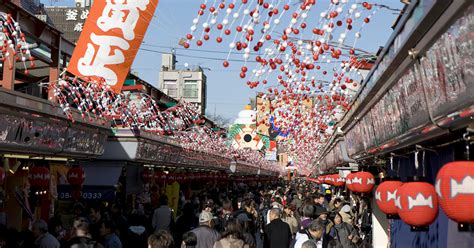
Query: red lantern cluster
{"points": [[332, 179], [39, 177], [455, 188], [163, 177], [417, 203], [385, 196], [76, 176]]}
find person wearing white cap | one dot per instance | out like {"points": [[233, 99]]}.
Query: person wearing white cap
{"points": [[346, 214], [206, 235]]}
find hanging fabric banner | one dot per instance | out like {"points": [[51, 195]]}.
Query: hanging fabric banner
{"points": [[111, 38]]}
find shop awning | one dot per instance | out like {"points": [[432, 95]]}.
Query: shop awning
{"points": [[102, 175]]}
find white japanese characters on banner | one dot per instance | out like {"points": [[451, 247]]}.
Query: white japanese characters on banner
{"points": [[110, 39], [73, 15]]}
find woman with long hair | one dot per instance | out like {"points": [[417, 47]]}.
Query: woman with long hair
{"points": [[232, 237]]}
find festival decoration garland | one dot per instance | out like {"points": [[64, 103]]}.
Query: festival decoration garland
{"points": [[301, 56]]}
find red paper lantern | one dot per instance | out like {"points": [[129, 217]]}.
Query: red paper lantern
{"points": [[76, 176], [190, 177], [417, 203], [349, 184], [180, 178], [76, 194], [197, 176], [147, 176], [328, 179], [2, 175], [171, 178], [224, 176], [363, 182], [385, 196], [338, 181], [39, 177], [160, 176], [455, 188]]}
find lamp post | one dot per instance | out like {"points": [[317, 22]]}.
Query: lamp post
{"points": [[233, 165]]}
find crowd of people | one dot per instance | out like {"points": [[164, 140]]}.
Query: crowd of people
{"points": [[280, 215]]}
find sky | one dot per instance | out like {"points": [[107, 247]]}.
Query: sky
{"points": [[227, 92]]}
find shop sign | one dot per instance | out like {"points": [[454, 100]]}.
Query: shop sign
{"points": [[444, 74], [85, 141], [110, 39], [446, 70], [152, 152], [88, 193], [22, 132]]}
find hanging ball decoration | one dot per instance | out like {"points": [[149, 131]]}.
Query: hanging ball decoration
{"points": [[363, 182], [455, 188], [417, 203], [385, 196]]}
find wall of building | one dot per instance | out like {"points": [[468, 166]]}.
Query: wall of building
{"points": [[169, 73]]}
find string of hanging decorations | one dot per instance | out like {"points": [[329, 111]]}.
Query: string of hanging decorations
{"points": [[307, 50], [93, 98], [13, 45], [203, 139]]}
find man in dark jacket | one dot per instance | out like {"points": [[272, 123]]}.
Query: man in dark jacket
{"points": [[277, 233], [319, 207]]}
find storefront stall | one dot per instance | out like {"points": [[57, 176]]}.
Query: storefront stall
{"points": [[412, 118], [35, 134]]}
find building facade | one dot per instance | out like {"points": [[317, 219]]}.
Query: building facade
{"points": [[188, 83], [70, 20]]}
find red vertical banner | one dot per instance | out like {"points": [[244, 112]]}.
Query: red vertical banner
{"points": [[110, 40]]}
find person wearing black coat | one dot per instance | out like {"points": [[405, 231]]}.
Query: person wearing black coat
{"points": [[277, 233]]}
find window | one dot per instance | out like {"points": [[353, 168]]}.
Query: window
{"points": [[190, 89], [171, 87]]}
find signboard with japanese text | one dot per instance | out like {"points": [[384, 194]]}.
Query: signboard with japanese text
{"points": [[70, 20], [110, 39]]}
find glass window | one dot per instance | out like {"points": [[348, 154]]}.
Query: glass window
{"points": [[190, 89], [171, 87]]}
